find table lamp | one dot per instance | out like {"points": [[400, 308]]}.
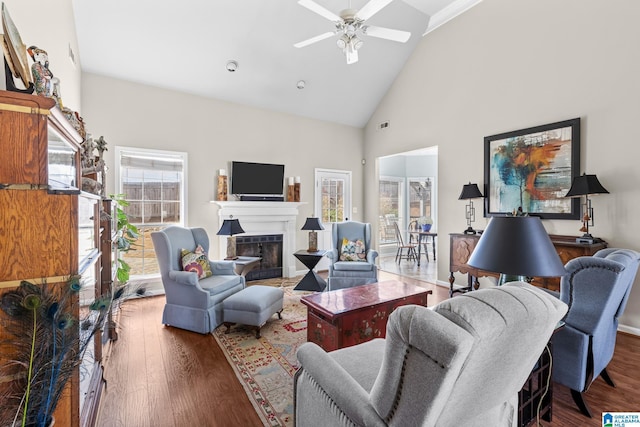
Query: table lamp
{"points": [[470, 191], [230, 227], [583, 186], [312, 224], [517, 247]]}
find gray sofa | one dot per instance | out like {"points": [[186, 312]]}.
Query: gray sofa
{"points": [[192, 304], [460, 364]]}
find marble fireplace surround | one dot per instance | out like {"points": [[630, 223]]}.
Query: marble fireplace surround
{"points": [[260, 218]]}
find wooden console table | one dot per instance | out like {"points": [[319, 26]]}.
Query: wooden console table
{"points": [[462, 245], [351, 316]]}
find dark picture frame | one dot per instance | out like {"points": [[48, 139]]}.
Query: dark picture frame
{"points": [[533, 169]]}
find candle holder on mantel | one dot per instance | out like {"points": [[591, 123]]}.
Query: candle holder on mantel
{"points": [[222, 185], [290, 190], [296, 189]]}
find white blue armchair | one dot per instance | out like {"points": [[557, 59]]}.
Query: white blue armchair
{"points": [[596, 289], [351, 264], [192, 304]]}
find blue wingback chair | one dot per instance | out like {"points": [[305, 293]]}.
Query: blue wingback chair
{"points": [[192, 304], [351, 273], [596, 289]]}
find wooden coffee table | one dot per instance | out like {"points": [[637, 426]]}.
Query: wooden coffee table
{"points": [[347, 317]]}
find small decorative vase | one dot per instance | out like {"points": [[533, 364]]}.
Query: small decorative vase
{"points": [[426, 227]]}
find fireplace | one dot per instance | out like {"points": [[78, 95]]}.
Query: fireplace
{"points": [[264, 218], [269, 248]]}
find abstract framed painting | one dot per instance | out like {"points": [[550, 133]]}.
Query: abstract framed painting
{"points": [[532, 169]]}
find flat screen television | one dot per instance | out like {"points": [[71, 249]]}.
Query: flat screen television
{"points": [[257, 179]]}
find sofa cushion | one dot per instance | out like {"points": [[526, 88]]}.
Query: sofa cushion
{"points": [[196, 261], [219, 284], [352, 266]]}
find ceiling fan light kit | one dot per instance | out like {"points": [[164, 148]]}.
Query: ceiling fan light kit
{"points": [[349, 24]]}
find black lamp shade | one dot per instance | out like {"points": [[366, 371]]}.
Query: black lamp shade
{"points": [[470, 191], [585, 184], [312, 223], [518, 246], [230, 227]]}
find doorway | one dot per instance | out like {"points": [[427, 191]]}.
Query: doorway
{"points": [[332, 204], [407, 191]]}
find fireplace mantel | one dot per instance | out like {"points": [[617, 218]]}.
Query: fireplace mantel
{"points": [[259, 218]]}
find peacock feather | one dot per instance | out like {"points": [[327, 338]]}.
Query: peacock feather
{"points": [[45, 343]]}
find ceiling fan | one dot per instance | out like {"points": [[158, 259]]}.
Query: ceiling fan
{"points": [[350, 24]]}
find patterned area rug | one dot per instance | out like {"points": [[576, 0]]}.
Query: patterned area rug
{"points": [[265, 366]]}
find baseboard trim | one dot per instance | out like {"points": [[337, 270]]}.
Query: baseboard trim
{"points": [[629, 330]]}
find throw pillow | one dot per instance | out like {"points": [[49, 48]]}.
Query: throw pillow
{"points": [[352, 251], [197, 262]]}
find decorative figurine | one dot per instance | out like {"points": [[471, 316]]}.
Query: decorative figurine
{"points": [[42, 75]]}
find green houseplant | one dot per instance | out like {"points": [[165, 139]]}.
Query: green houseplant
{"points": [[126, 236], [46, 343]]}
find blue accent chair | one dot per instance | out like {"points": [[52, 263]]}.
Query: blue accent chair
{"points": [[351, 273], [596, 289], [192, 304]]}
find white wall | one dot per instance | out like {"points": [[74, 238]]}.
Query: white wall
{"points": [[214, 133], [506, 65], [49, 25]]}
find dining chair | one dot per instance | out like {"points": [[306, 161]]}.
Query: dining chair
{"points": [[411, 253]]}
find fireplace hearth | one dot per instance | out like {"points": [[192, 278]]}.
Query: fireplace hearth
{"points": [[267, 247]]}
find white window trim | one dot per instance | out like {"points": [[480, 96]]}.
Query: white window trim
{"points": [[150, 279], [318, 172], [119, 150]]}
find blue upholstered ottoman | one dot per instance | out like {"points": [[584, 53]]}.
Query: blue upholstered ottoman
{"points": [[253, 306]]}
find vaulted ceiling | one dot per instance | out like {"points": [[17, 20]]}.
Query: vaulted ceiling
{"points": [[186, 45]]}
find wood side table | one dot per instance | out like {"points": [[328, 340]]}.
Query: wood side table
{"points": [[537, 392], [311, 281], [346, 317], [461, 247]]}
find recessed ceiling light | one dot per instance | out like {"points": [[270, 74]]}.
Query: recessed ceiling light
{"points": [[232, 66], [301, 84]]}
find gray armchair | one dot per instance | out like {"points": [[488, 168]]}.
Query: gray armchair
{"points": [[351, 273], [192, 304], [596, 289], [460, 364]]}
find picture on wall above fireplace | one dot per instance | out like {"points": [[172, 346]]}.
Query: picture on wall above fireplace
{"points": [[533, 169]]}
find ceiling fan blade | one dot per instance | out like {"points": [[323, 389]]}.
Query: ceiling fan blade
{"points": [[386, 33], [314, 39], [315, 7], [371, 8]]}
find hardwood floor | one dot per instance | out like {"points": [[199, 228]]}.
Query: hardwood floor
{"points": [[163, 376]]}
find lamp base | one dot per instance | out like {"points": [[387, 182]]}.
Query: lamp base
{"points": [[505, 278], [313, 242], [469, 231], [588, 239]]}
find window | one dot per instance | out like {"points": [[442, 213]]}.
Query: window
{"points": [[154, 184], [421, 198], [334, 196], [390, 207]]}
